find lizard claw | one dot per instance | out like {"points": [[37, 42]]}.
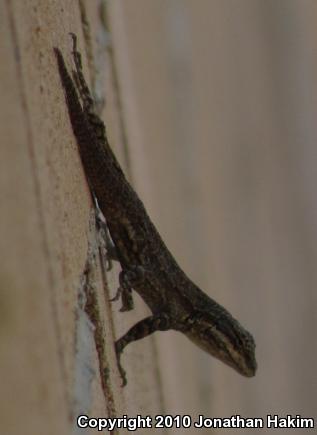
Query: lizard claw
{"points": [[120, 368], [126, 298]]}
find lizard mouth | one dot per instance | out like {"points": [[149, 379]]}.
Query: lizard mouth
{"points": [[248, 370], [215, 343]]}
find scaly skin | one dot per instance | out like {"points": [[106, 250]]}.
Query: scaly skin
{"points": [[148, 267]]}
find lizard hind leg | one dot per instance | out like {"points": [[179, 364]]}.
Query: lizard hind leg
{"points": [[79, 78], [85, 94]]}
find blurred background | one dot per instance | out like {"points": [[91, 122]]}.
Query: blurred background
{"points": [[220, 104]]}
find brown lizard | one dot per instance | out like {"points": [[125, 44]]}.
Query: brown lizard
{"points": [[147, 265]]}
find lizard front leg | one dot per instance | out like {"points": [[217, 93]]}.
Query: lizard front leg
{"points": [[147, 326], [124, 292], [128, 279]]}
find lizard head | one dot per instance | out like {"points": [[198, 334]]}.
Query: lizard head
{"points": [[220, 335]]}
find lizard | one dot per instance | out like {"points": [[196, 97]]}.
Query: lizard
{"points": [[147, 266]]}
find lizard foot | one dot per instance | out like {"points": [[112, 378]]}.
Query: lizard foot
{"points": [[120, 368], [128, 279], [126, 297]]}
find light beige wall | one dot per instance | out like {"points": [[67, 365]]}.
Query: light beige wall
{"points": [[211, 108], [223, 120]]}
